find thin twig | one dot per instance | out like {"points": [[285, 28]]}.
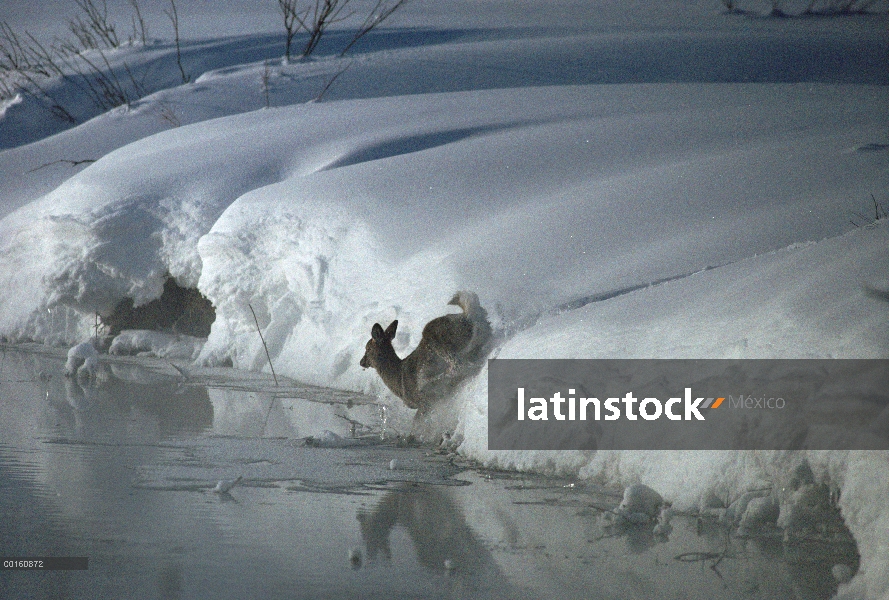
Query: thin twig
{"points": [[138, 20], [266, 76], [330, 82], [879, 209], [262, 339], [268, 413], [380, 13], [73, 163], [697, 556], [173, 15]]}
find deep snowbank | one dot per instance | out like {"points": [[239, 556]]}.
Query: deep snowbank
{"points": [[329, 217], [547, 196], [804, 301], [597, 44]]}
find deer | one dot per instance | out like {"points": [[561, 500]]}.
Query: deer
{"points": [[453, 347]]}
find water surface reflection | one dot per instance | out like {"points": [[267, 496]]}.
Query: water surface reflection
{"points": [[122, 473]]}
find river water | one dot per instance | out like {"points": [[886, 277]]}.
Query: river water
{"points": [[122, 472]]}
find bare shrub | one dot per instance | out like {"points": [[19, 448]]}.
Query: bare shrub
{"points": [[91, 28], [880, 214], [24, 67], [316, 16], [29, 66]]}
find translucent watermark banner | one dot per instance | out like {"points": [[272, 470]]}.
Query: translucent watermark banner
{"points": [[679, 404]]}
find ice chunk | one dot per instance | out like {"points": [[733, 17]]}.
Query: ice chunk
{"points": [[760, 512], [83, 360], [225, 485], [640, 504], [156, 343]]}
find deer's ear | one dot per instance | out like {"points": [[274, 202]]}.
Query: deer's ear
{"points": [[377, 333], [390, 331]]}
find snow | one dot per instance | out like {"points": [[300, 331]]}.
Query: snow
{"points": [[640, 504], [155, 343], [643, 181], [224, 486], [82, 360]]}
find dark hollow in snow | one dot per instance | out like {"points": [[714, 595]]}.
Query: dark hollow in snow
{"points": [[178, 310]]}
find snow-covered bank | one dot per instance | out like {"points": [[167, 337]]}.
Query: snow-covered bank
{"points": [[320, 214], [551, 198], [651, 191], [804, 301]]}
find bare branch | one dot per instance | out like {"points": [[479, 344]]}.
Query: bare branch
{"points": [[315, 17], [173, 14], [330, 82], [262, 339], [73, 163], [95, 30], [266, 80], [137, 20], [292, 23], [382, 11]]}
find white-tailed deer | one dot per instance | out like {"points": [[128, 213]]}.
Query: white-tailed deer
{"points": [[452, 347]]}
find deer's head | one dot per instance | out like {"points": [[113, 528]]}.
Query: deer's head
{"points": [[379, 346]]}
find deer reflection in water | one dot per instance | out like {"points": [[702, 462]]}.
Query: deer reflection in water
{"points": [[443, 540]]}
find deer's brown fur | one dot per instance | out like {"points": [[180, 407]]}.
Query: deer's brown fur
{"points": [[453, 346]]}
